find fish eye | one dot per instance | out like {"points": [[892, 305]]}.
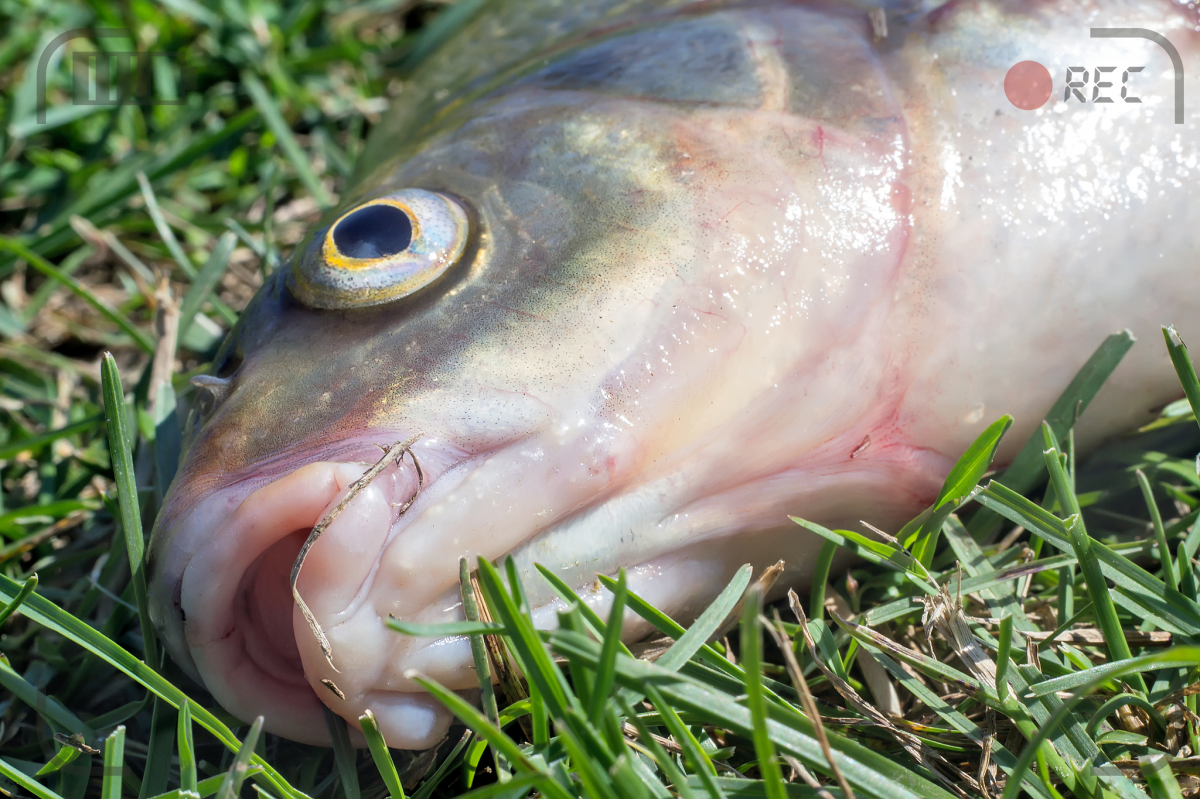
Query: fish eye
{"points": [[373, 231], [381, 250]]}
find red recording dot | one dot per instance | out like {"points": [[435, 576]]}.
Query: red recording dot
{"points": [[1028, 85]]}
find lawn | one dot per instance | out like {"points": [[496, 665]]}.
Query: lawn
{"points": [[1034, 631]]}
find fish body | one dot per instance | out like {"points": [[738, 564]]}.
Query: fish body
{"points": [[722, 263]]}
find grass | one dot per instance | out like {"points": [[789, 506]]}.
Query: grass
{"points": [[1033, 631]]}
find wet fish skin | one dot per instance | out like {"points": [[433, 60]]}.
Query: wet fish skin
{"points": [[729, 262]]}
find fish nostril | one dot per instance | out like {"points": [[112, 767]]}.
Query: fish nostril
{"points": [[376, 231]]}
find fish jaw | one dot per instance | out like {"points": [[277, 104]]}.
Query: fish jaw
{"points": [[222, 596], [223, 600], [681, 531]]}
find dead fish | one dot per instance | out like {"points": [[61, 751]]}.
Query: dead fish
{"points": [[645, 278]]}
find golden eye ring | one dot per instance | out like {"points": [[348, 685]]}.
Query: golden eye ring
{"points": [[381, 250]]}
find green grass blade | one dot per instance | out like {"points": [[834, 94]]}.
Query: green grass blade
{"points": [[158, 753], [1028, 467], [1170, 576], [1183, 367], [516, 786], [1121, 700], [754, 789], [962, 479], [824, 564], [78, 289], [1156, 768], [1143, 592], [28, 783], [593, 739], [1000, 594], [208, 787], [668, 626], [709, 621], [1089, 678], [186, 748], [431, 783], [922, 663], [751, 652], [131, 513], [608, 655], [231, 786], [62, 757], [1004, 658], [173, 246], [443, 629], [1005, 759], [114, 764], [11, 607], [344, 753], [45, 613], [659, 755], [380, 754], [499, 742], [300, 161], [526, 645], [873, 551], [597, 783], [715, 665], [164, 230], [982, 583], [205, 282], [139, 337], [1013, 787], [692, 750], [873, 773], [1102, 605], [479, 658], [570, 597], [46, 706], [34, 443]]}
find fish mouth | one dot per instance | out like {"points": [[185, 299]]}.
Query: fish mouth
{"points": [[237, 628], [221, 593]]}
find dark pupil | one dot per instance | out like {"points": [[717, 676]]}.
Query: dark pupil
{"points": [[376, 231]]}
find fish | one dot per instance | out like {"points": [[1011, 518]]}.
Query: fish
{"points": [[623, 284]]}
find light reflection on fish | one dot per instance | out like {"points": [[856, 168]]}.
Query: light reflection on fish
{"points": [[647, 278]]}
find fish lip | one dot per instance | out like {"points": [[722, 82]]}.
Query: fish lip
{"points": [[365, 448], [188, 535]]}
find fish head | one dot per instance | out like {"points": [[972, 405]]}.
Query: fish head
{"points": [[597, 377]]}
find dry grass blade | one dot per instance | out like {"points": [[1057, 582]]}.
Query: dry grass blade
{"points": [[878, 680], [806, 775], [764, 583], [166, 328], [391, 454], [915, 747], [1090, 635], [944, 613], [810, 704], [498, 659]]}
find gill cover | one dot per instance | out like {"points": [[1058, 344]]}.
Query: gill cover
{"points": [[381, 250]]}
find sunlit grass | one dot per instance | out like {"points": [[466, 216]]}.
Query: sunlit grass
{"points": [[142, 231]]}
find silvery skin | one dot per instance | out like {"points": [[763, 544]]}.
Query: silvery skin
{"points": [[726, 264]]}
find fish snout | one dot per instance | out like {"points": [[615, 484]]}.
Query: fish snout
{"points": [[244, 561]]}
